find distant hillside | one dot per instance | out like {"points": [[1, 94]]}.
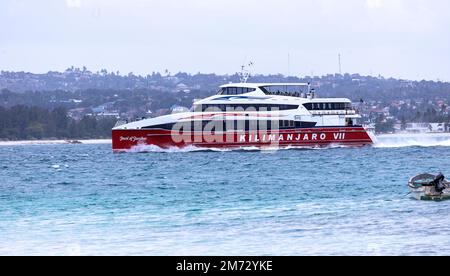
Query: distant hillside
{"points": [[24, 123], [354, 86], [384, 102]]}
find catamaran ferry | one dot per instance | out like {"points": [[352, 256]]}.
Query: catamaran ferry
{"points": [[251, 115]]}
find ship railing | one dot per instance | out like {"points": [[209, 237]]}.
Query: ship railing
{"points": [[334, 112]]}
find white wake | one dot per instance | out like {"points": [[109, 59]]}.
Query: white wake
{"points": [[412, 140], [153, 148], [156, 149]]}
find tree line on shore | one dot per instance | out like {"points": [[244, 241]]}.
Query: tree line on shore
{"points": [[31, 122]]}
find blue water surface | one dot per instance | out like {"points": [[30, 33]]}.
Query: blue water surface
{"points": [[85, 200]]}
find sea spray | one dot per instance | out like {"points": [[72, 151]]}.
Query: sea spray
{"points": [[413, 140]]}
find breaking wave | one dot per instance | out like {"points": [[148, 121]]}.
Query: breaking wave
{"points": [[412, 140]]}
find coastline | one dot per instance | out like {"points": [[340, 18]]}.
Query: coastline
{"points": [[56, 142]]}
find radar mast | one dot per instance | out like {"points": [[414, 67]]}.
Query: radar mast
{"points": [[245, 73]]}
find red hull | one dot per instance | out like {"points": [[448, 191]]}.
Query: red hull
{"points": [[123, 140]]}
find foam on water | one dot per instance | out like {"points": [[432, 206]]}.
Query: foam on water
{"points": [[191, 148], [413, 140], [154, 148]]}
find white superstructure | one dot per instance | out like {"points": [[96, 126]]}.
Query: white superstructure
{"points": [[293, 102]]}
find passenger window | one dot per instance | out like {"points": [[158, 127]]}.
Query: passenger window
{"points": [[253, 124], [239, 125], [265, 125]]}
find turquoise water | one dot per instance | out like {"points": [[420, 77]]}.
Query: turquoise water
{"points": [[85, 200]]}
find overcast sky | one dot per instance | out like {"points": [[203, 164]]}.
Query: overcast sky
{"points": [[399, 38]]}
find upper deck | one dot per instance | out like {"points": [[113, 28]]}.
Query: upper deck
{"points": [[299, 90], [260, 101]]}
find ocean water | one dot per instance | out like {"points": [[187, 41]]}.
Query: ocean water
{"points": [[85, 200]]}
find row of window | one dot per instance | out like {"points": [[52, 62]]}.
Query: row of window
{"points": [[286, 94], [237, 125], [283, 90], [244, 107], [235, 90], [328, 106]]}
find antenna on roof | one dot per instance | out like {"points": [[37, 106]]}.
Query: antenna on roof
{"points": [[244, 75]]}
